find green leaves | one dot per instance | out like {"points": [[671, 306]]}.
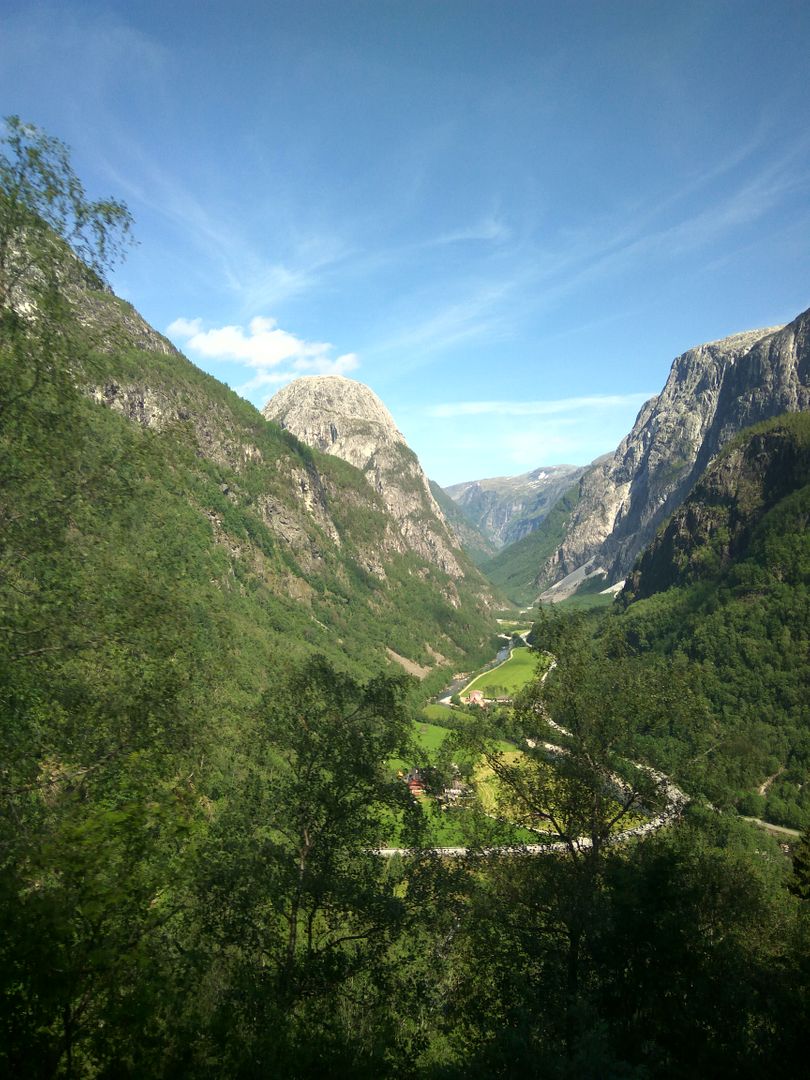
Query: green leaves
{"points": [[43, 208]]}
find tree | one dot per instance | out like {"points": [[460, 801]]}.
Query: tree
{"points": [[81, 812], [799, 884], [50, 234], [44, 209], [292, 878], [581, 777]]}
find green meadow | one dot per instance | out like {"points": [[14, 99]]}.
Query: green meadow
{"points": [[509, 677]]}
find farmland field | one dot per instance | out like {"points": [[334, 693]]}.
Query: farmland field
{"points": [[436, 714], [507, 678]]}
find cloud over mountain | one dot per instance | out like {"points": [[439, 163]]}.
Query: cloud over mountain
{"points": [[272, 354]]}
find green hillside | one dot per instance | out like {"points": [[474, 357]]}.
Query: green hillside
{"points": [[507, 678], [202, 722], [195, 652], [725, 590], [226, 482]]}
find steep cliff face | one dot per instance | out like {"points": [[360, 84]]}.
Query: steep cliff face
{"points": [[760, 467], [712, 392], [772, 377], [346, 419], [507, 508]]}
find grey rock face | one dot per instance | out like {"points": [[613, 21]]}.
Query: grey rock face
{"points": [[343, 417], [110, 321], [712, 392], [507, 508]]}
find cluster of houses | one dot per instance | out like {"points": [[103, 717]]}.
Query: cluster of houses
{"points": [[476, 697], [454, 791]]}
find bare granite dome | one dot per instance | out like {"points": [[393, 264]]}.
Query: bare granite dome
{"points": [[345, 418], [334, 414]]}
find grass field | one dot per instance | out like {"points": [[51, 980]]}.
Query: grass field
{"points": [[456, 828], [430, 736], [514, 626], [436, 713], [589, 595], [450, 828], [586, 601], [509, 677]]}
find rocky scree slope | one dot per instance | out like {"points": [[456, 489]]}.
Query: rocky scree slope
{"points": [[712, 392], [507, 508], [309, 546], [346, 419]]}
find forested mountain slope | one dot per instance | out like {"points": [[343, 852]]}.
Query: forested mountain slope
{"points": [[514, 568], [308, 531], [293, 548], [725, 585]]}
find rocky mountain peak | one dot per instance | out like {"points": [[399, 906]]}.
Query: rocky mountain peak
{"points": [[507, 508], [337, 415], [345, 418]]}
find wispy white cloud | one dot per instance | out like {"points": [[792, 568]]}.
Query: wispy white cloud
{"points": [[340, 365], [92, 54], [263, 345], [513, 282], [490, 228], [668, 229], [531, 448], [537, 408], [274, 355], [229, 257], [262, 258], [479, 315], [519, 434]]}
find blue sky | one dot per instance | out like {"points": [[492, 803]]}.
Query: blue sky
{"points": [[505, 217]]}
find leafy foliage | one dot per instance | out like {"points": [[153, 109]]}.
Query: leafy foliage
{"points": [[742, 624], [44, 211]]}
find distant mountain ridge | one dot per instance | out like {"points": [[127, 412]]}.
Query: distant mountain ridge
{"points": [[478, 546], [514, 568], [507, 508]]}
